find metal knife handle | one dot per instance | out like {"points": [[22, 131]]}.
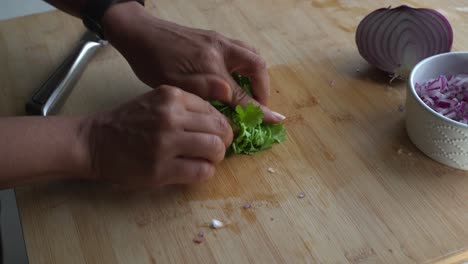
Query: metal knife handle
{"points": [[48, 99]]}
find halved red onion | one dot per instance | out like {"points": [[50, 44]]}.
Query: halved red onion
{"points": [[395, 40]]}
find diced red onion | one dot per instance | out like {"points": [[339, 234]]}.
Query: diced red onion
{"points": [[395, 40], [200, 238], [447, 95]]}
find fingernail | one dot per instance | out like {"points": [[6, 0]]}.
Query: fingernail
{"points": [[279, 116]]}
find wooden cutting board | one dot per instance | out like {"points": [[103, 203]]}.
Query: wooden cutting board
{"points": [[370, 195]]}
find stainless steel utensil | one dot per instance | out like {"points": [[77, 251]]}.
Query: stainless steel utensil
{"points": [[49, 98]]}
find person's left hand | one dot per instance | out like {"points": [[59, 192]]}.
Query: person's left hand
{"points": [[198, 61]]}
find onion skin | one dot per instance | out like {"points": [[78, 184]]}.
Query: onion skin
{"points": [[394, 40]]}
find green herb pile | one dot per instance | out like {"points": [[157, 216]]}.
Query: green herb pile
{"points": [[251, 135]]}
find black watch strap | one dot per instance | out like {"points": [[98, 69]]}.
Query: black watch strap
{"points": [[94, 10]]}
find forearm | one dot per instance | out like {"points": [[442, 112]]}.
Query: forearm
{"points": [[36, 149], [73, 7], [114, 21]]}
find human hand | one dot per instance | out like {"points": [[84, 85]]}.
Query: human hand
{"points": [[166, 136], [198, 61]]}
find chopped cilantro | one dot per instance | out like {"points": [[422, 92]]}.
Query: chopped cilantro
{"points": [[251, 135]]}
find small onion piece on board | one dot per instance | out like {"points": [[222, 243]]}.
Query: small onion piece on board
{"points": [[395, 40]]}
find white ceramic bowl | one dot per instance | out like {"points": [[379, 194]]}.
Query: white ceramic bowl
{"points": [[439, 137]]}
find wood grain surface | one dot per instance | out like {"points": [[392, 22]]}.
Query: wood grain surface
{"points": [[370, 195]]}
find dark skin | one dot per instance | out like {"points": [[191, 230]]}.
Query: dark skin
{"points": [[72, 7], [170, 135]]}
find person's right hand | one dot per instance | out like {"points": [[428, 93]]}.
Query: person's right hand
{"points": [[166, 136]]}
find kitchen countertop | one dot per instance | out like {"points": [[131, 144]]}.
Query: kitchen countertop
{"points": [[16, 8], [370, 195]]}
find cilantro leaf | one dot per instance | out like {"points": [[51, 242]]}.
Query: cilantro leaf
{"points": [[250, 115], [251, 134], [243, 82]]}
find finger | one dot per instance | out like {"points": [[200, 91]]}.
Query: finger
{"points": [[239, 97], [260, 84], [186, 171], [215, 124], [244, 45], [252, 65], [205, 146], [206, 86], [193, 103]]}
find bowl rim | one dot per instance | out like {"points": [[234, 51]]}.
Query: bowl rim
{"points": [[415, 95]]}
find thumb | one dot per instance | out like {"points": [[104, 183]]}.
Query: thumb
{"points": [[206, 86]]}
